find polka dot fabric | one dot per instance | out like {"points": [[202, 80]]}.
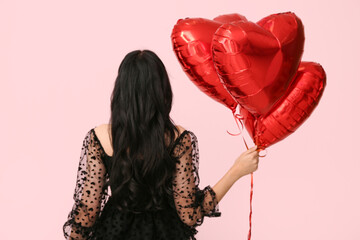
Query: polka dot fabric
{"points": [[95, 216]]}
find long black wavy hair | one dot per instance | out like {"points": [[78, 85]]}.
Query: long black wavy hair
{"points": [[141, 101]]}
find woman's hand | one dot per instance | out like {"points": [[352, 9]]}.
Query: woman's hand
{"points": [[246, 163]]}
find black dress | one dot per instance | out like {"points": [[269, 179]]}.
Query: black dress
{"points": [[94, 216]]}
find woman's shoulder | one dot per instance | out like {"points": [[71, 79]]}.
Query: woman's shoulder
{"points": [[181, 129], [102, 133], [184, 133], [185, 136]]}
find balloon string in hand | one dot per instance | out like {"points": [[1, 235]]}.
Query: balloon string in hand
{"points": [[237, 118]]}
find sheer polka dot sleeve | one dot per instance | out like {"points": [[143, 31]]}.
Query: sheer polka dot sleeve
{"points": [[191, 202], [89, 196]]}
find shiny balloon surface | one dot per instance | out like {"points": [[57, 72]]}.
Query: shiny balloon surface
{"points": [[291, 111], [191, 40], [257, 61]]}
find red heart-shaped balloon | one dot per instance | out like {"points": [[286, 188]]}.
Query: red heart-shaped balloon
{"points": [[299, 101], [257, 61], [191, 38]]}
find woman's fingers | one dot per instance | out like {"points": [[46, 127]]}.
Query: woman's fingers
{"points": [[253, 149]]}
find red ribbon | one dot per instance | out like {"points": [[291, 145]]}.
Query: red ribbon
{"points": [[251, 194], [237, 118]]}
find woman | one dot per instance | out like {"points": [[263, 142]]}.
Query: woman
{"points": [[138, 175]]}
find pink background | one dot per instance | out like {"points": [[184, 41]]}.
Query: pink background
{"points": [[58, 65]]}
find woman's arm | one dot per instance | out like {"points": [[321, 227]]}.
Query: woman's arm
{"points": [[192, 203], [224, 184], [88, 196], [246, 163]]}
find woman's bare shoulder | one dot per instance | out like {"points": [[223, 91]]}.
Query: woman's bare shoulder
{"points": [[102, 132], [180, 128]]}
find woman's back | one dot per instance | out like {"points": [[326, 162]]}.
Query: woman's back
{"points": [[102, 133], [96, 216]]}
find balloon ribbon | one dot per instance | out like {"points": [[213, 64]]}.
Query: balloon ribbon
{"points": [[251, 194], [239, 118]]}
